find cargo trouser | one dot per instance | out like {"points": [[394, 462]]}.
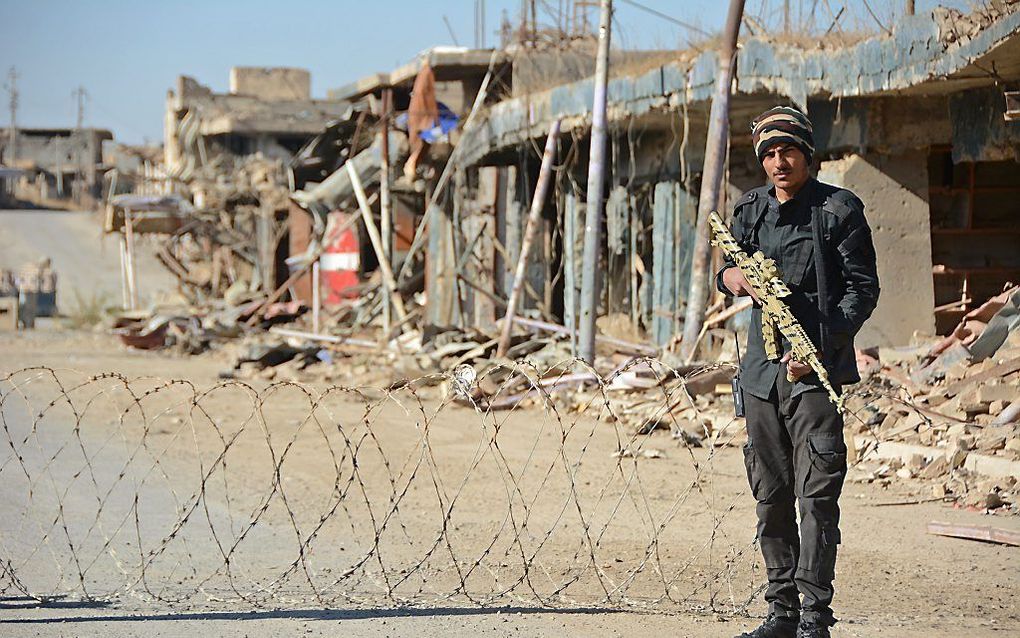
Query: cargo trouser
{"points": [[796, 453]]}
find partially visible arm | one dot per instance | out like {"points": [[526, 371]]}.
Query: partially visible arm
{"points": [[855, 254]]}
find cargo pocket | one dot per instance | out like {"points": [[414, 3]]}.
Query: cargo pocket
{"points": [[826, 465], [825, 570], [758, 477], [818, 560]]}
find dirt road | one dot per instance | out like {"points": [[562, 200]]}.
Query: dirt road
{"points": [[83, 258], [893, 579]]}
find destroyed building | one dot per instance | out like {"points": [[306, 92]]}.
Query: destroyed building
{"points": [[267, 111], [913, 121], [59, 165], [224, 168]]}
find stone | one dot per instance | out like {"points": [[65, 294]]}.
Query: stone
{"points": [[939, 466], [996, 392], [956, 457], [916, 462]]}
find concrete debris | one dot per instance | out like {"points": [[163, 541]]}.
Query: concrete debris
{"points": [[958, 27], [941, 434]]}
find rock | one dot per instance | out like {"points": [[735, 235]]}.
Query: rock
{"points": [[991, 442], [996, 392], [939, 466], [905, 473], [956, 457], [916, 462]]}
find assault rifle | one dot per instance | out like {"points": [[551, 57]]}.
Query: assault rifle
{"points": [[763, 276]]}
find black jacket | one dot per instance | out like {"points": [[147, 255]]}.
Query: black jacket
{"points": [[844, 289]]}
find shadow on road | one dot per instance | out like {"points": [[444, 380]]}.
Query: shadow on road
{"points": [[296, 614]]}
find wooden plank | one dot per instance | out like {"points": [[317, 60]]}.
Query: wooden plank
{"points": [[985, 533], [663, 263]]}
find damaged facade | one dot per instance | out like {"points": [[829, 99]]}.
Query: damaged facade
{"points": [[913, 122], [59, 166]]}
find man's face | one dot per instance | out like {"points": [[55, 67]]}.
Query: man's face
{"points": [[786, 166]]}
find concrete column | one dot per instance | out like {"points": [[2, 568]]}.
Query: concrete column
{"points": [[894, 189]]}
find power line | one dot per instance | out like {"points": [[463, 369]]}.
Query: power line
{"points": [[668, 18]]}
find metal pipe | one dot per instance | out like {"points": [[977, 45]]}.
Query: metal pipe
{"points": [[373, 234], [129, 243], [591, 276], [316, 297], [711, 183], [544, 174], [640, 349]]}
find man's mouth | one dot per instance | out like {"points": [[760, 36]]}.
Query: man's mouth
{"points": [[781, 174]]}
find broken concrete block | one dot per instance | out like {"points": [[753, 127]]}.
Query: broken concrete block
{"points": [[997, 392], [956, 456], [938, 467], [991, 442]]}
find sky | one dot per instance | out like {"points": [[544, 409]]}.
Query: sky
{"points": [[127, 54]]}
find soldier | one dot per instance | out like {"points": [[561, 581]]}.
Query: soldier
{"points": [[795, 453]]}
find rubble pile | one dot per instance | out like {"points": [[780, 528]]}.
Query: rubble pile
{"points": [[944, 419], [959, 27]]}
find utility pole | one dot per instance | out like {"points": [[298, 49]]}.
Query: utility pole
{"points": [[385, 209], [786, 17], [711, 182], [79, 95], [12, 131], [591, 283]]}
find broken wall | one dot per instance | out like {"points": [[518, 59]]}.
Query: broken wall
{"points": [[271, 83], [894, 189]]}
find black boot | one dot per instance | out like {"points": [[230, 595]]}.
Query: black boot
{"points": [[812, 630], [774, 627]]}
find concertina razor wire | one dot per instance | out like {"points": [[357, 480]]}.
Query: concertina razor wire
{"points": [[286, 495]]}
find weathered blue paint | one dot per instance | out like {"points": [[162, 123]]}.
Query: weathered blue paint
{"points": [[674, 213]]}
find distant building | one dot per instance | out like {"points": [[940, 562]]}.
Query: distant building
{"points": [[268, 111], [57, 164]]}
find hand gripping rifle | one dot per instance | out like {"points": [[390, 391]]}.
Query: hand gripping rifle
{"points": [[764, 278]]}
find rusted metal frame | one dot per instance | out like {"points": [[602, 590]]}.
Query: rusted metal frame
{"points": [[537, 201], [711, 186], [591, 274]]}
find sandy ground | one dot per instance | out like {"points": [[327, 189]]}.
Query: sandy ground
{"points": [[892, 579]]}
